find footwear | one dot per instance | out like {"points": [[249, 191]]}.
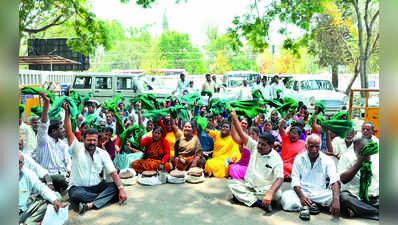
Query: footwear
{"points": [[268, 208], [314, 209], [304, 213], [82, 208]]}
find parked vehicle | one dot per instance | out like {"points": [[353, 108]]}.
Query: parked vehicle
{"points": [[310, 89], [105, 85]]}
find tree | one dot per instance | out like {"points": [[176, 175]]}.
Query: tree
{"points": [[38, 16], [177, 50], [220, 65], [327, 44], [254, 26]]}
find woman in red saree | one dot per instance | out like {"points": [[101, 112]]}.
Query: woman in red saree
{"points": [[156, 153]]}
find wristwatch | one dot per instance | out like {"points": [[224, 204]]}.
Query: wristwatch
{"points": [[120, 187]]}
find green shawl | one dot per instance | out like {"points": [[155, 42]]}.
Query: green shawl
{"points": [[339, 127], [137, 132], [36, 91], [339, 115], [201, 122], [366, 170], [249, 108], [111, 106], [56, 107], [36, 111]]}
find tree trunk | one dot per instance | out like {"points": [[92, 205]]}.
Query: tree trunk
{"points": [[356, 72], [335, 76]]}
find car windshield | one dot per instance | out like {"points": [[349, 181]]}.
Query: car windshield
{"points": [[316, 85]]}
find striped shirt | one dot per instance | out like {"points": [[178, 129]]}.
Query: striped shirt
{"points": [[52, 156]]}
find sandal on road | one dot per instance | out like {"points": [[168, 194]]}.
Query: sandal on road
{"points": [[314, 209], [304, 213]]}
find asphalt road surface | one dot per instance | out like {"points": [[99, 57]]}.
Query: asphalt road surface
{"points": [[205, 203]]}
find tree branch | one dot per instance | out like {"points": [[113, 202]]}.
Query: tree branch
{"points": [[366, 16], [374, 44], [47, 26], [374, 19]]}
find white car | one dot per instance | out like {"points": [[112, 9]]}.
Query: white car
{"points": [[310, 89]]}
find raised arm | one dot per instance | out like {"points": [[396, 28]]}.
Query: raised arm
{"points": [[68, 125], [235, 136], [140, 123], [282, 124], [243, 136], [46, 107]]}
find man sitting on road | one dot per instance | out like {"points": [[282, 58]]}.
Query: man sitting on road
{"points": [[264, 174], [31, 211], [88, 161], [52, 150], [348, 167], [309, 181]]}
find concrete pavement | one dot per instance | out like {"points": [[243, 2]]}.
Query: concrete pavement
{"points": [[205, 203]]}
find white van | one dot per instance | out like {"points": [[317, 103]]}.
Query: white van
{"points": [[107, 85]]}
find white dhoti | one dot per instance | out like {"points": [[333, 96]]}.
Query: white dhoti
{"points": [[291, 202], [247, 194]]}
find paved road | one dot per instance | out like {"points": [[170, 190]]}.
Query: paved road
{"points": [[206, 203]]}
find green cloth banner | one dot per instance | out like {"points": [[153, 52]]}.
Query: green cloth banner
{"points": [[366, 170], [111, 106], [288, 105], [339, 127], [36, 111], [191, 98], [56, 107], [249, 108], [201, 122], [175, 111], [340, 115], [137, 132], [206, 93], [36, 91], [21, 109]]}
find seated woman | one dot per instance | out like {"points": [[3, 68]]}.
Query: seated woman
{"points": [[106, 143], [188, 151], [238, 170], [156, 153], [291, 146], [226, 151]]}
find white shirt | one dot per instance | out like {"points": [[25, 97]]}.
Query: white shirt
{"points": [[340, 147], [34, 166], [86, 170], [51, 155], [262, 170], [28, 137], [275, 87], [245, 93], [28, 183], [181, 87], [347, 161], [313, 180], [266, 91]]}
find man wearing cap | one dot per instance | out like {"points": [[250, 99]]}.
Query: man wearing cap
{"points": [[277, 84], [264, 175]]}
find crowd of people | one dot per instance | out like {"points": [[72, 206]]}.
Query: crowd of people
{"points": [[77, 147]]}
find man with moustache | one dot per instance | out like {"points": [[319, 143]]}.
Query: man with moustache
{"points": [[264, 174], [309, 182], [88, 162]]}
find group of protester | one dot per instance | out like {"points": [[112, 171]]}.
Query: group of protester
{"points": [[77, 146]]}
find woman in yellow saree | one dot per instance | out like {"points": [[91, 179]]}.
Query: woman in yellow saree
{"points": [[226, 152]]}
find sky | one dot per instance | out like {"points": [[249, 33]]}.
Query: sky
{"points": [[192, 17]]}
